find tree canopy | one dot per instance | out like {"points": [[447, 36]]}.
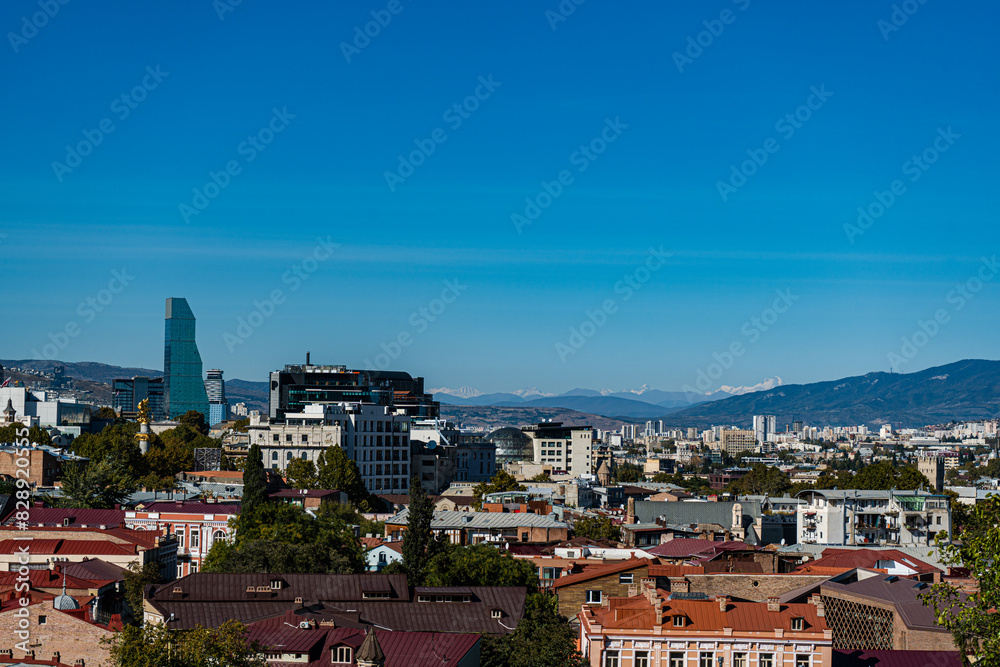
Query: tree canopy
{"points": [[972, 619], [156, 646], [597, 528], [335, 470], [254, 482], [417, 539]]}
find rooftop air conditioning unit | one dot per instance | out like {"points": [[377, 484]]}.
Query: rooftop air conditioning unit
{"points": [[304, 625]]}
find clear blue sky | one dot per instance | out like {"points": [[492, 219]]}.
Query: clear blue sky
{"points": [[323, 175]]}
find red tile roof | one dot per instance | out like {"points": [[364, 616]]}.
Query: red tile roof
{"points": [[188, 507], [850, 559], [63, 547], [54, 516], [143, 538], [705, 615], [685, 547], [50, 579], [603, 571]]}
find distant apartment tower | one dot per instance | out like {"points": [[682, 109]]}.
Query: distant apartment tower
{"points": [[932, 467], [184, 387], [797, 426], [764, 429], [628, 431], [297, 386], [215, 388], [128, 393]]}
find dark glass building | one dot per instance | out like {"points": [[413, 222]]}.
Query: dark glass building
{"points": [[296, 386], [184, 386], [129, 392]]}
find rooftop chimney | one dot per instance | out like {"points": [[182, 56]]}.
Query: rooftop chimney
{"points": [[817, 600], [773, 604], [723, 603]]}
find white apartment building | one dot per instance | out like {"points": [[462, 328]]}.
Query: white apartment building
{"points": [[567, 448], [852, 517], [376, 437]]}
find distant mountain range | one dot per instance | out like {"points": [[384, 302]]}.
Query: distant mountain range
{"points": [[964, 390], [641, 403]]}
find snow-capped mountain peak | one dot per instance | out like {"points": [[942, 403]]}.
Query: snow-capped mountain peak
{"points": [[769, 383], [461, 392]]}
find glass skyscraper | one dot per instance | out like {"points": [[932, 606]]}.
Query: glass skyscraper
{"points": [[215, 387], [184, 386]]}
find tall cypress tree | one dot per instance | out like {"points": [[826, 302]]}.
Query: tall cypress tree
{"points": [[418, 533], [254, 481]]}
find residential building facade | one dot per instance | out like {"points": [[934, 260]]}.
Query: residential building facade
{"points": [[567, 448], [851, 517]]}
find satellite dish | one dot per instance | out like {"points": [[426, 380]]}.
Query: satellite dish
{"points": [[431, 445], [782, 541]]}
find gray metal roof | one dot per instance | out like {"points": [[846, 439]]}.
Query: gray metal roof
{"points": [[443, 520], [684, 512]]}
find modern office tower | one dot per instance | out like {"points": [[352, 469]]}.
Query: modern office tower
{"points": [[797, 426], [215, 388], [128, 393], [297, 386], [184, 387]]}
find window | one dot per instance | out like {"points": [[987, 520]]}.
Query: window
{"points": [[706, 659], [41, 620], [678, 621], [180, 571], [641, 659], [625, 578], [274, 456], [765, 660], [180, 536], [675, 659], [344, 655], [218, 535], [288, 437], [797, 624], [802, 660], [524, 537], [305, 438], [739, 660], [496, 613], [288, 456], [611, 659], [276, 438], [938, 520], [195, 538], [194, 568], [594, 597]]}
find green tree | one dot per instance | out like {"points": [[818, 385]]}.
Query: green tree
{"points": [[301, 474], [661, 478], [501, 481], [104, 412], [282, 537], [156, 646], [762, 480], [542, 477], [479, 565], [254, 482], [972, 618], [628, 472], [418, 536], [95, 485], [117, 442], [543, 638], [597, 528], [194, 420], [137, 577], [334, 470], [240, 425]]}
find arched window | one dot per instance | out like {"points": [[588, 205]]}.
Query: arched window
{"points": [[219, 535], [274, 456]]}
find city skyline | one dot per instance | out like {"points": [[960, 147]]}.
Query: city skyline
{"points": [[620, 197]]}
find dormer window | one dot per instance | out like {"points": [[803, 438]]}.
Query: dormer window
{"points": [[342, 655], [276, 584], [496, 613], [678, 621], [798, 623]]}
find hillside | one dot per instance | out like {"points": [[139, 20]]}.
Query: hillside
{"points": [[494, 417], [964, 390]]}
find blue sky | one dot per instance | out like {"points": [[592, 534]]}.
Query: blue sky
{"points": [[329, 130]]}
